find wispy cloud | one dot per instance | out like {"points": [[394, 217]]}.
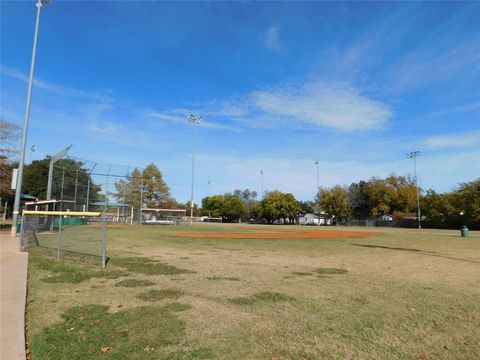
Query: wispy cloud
{"points": [[337, 106], [457, 109], [430, 63], [464, 139], [178, 116], [272, 38], [55, 88], [321, 104]]}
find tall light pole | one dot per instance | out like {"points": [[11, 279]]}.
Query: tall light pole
{"points": [[209, 188], [318, 186], [261, 172], [18, 191], [413, 155], [32, 150], [194, 120]]}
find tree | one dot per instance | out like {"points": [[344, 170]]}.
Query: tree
{"points": [[9, 133], [233, 209], [75, 181], [435, 208], [358, 200], [308, 206], [279, 206], [212, 206], [380, 196], [334, 201], [465, 205], [155, 191]]}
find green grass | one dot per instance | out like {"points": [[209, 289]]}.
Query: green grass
{"points": [[92, 332], [404, 294], [301, 273], [157, 295], [330, 271], [147, 266], [263, 297], [232, 278], [69, 272], [135, 283]]}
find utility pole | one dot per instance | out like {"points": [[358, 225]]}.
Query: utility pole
{"points": [[18, 190], [318, 188], [261, 172], [413, 155], [194, 120]]}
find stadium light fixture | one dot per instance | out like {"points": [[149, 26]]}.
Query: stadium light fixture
{"points": [[18, 191], [318, 188], [261, 172], [194, 120], [413, 155]]}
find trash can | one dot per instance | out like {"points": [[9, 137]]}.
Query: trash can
{"points": [[464, 231]]}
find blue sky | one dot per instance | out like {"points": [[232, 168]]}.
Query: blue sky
{"points": [[278, 84]]}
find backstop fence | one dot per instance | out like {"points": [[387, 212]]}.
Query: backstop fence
{"points": [[65, 234]]}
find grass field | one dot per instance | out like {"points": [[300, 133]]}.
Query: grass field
{"points": [[401, 294]]}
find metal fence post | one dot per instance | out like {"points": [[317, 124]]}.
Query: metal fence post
{"points": [[59, 239], [104, 242]]}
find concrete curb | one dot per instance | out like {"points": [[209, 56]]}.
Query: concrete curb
{"points": [[13, 291]]}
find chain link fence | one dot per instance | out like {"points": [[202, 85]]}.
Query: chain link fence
{"points": [[64, 234]]}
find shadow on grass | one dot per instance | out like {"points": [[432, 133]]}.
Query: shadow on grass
{"points": [[422, 252]]}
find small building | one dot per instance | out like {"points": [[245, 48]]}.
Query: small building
{"points": [[161, 216], [305, 218]]}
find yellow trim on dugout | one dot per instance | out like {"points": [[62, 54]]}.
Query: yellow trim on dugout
{"points": [[61, 213]]}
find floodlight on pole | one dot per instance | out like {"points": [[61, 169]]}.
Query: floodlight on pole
{"points": [[261, 172], [194, 120], [33, 148], [18, 191], [318, 187], [413, 155], [53, 160]]}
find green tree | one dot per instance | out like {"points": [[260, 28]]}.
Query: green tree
{"points": [[279, 206], [233, 209], [155, 191], [334, 201], [358, 200], [212, 206], [435, 208], [70, 181]]}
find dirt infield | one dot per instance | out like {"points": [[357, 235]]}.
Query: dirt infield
{"points": [[302, 234]]}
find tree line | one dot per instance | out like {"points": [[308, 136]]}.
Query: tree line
{"points": [[394, 195]]}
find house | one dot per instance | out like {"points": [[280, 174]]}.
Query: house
{"points": [[305, 218]]}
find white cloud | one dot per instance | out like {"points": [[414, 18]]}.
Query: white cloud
{"points": [[324, 104], [272, 39], [320, 104], [453, 140]]}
